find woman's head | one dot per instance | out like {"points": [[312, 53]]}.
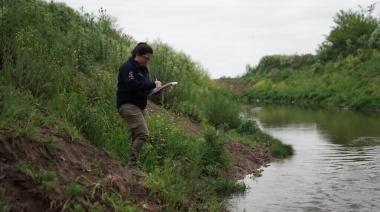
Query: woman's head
{"points": [[142, 53]]}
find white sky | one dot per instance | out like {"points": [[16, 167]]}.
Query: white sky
{"points": [[224, 36]]}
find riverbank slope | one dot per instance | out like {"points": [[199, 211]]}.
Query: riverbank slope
{"points": [[40, 177]]}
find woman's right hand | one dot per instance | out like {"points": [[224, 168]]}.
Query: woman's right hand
{"points": [[158, 83]]}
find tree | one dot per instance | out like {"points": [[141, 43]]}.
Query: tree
{"points": [[352, 32]]}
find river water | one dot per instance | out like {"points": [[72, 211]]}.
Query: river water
{"points": [[336, 166]]}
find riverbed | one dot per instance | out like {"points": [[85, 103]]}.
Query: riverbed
{"points": [[336, 166]]}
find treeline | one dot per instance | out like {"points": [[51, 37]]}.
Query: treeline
{"points": [[58, 71], [343, 72]]}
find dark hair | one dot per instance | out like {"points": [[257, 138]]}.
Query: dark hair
{"points": [[141, 49]]}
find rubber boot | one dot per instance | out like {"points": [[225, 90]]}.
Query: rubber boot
{"points": [[133, 165]]}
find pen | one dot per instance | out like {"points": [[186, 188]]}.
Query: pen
{"points": [[155, 77]]}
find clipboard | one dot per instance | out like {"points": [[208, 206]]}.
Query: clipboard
{"points": [[162, 87]]}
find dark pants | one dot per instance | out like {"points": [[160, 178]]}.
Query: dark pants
{"points": [[135, 118]]}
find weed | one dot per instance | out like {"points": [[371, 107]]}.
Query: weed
{"points": [[95, 165], [51, 145], [18, 109], [74, 190], [213, 151], [228, 186], [28, 168], [49, 180], [280, 150], [96, 207], [248, 127]]}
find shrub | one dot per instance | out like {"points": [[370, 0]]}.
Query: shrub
{"points": [[374, 40], [213, 151], [280, 150], [248, 127], [267, 63], [221, 111]]}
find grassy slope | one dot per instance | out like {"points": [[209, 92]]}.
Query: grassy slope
{"points": [[351, 82], [63, 144]]}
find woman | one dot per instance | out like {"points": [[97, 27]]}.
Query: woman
{"points": [[132, 95]]}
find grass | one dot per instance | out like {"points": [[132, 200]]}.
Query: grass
{"points": [[59, 70], [351, 82], [49, 180], [75, 191], [280, 150]]}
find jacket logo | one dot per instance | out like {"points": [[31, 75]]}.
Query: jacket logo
{"points": [[131, 77]]}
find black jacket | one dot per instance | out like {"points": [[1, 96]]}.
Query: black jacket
{"points": [[133, 84]]}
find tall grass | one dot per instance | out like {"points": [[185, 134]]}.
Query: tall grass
{"points": [[20, 112], [59, 70]]}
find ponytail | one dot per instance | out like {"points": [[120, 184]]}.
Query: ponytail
{"points": [[141, 49]]}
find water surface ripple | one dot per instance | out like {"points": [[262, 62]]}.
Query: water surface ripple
{"points": [[327, 173]]}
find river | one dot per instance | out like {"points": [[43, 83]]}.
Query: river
{"points": [[336, 166]]}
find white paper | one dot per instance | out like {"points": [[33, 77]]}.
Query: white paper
{"points": [[162, 87]]}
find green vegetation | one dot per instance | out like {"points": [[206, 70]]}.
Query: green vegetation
{"points": [[75, 191], [49, 180], [344, 72], [58, 72], [281, 150]]}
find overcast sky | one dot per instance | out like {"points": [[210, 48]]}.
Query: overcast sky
{"points": [[224, 36]]}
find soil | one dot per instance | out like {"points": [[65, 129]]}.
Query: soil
{"points": [[23, 161]]}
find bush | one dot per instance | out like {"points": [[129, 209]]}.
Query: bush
{"points": [[352, 31], [280, 150], [267, 63], [213, 151], [374, 40], [220, 111], [248, 127]]}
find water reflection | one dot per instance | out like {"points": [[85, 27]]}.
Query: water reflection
{"points": [[335, 168], [339, 126]]}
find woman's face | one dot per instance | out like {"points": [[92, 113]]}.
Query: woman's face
{"points": [[143, 59]]}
